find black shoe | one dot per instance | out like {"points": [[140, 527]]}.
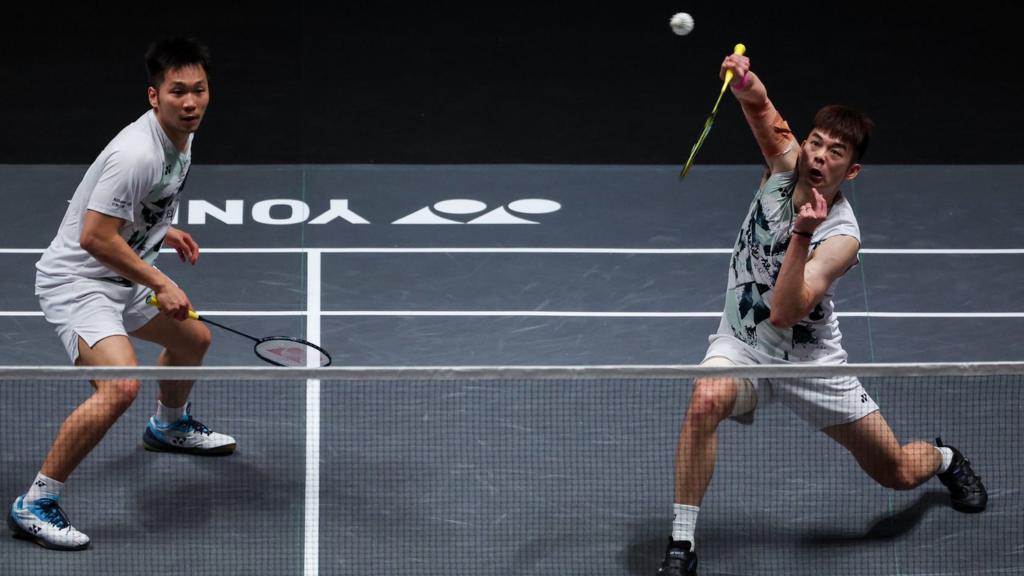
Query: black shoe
{"points": [[965, 487], [679, 560]]}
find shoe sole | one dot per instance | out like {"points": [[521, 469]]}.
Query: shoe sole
{"points": [[224, 450], [21, 534], [967, 508], [153, 444]]}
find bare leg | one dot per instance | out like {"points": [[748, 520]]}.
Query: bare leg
{"points": [[711, 402], [185, 344], [87, 424], [873, 444]]}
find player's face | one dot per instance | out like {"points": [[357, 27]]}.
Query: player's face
{"points": [[825, 162], [181, 100]]}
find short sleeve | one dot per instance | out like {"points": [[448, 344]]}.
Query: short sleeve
{"points": [[125, 179]]}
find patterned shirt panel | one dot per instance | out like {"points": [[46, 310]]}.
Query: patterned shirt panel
{"points": [[754, 268]]}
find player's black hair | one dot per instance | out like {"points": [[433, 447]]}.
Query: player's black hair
{"points": [[848, 125], [174, 52]]}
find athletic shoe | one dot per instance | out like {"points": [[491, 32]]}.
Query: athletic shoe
{"points": [[680, 560], [44, 523], [965, 488], [187, 435]]}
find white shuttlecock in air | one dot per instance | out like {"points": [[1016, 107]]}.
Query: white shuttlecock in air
{"points": [[681, 23]]}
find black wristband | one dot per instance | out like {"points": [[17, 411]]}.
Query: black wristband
{"points": [[804, 234]]}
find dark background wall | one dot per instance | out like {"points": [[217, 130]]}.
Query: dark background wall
{"points": [[394, 82]]}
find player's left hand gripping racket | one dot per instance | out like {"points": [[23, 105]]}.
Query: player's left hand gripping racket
{"points": [[739, 49], [277, 350]]}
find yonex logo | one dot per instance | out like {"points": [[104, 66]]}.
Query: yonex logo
{"points": [[863, 398], [464, 211], [287, 211]]}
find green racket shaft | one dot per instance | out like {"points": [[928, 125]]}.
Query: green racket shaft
{"points": [[738, 49]]}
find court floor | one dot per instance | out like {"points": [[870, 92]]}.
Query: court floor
{"points": [[526, 265]]}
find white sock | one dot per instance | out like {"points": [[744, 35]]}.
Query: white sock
{"points": [[684, 521], [43, 487], [947, 459], [166, 415]]}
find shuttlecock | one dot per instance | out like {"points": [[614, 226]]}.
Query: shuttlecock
{"points": [[681, 23]]}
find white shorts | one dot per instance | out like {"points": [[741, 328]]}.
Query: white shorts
{"points": [[92, 308], [821, 402]]}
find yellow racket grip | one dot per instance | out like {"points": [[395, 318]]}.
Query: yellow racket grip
{"points": [[151, 300], [740, 50]]}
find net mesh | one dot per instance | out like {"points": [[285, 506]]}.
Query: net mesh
{"points": [[496, 470]]}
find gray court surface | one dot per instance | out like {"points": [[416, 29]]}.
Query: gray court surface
{"points": [[526, 265]]}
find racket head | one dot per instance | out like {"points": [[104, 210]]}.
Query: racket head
{"points": [[291, 352]]}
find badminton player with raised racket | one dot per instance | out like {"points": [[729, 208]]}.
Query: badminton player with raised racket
{"points": [[797, 239], [94, 278]]}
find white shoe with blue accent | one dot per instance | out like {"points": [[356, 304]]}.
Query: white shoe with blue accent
{"points": [[187, 435], [45, 523]]}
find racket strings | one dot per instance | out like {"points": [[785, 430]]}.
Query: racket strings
{"points": [[291, 352]]}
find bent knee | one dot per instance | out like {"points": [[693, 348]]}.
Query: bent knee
{"points": [[202, 341], [119, 393], [712, 399], [192, 349]]}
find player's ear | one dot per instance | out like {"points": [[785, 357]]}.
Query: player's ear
{"points": [[154, 100], [852, 171]]}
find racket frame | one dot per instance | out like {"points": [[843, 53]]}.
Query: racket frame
{"points": [[255, 349]]}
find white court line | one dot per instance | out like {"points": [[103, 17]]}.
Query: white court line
{"points": [[312, 501], [932, 314], [318, 314], [651, 314], [928, 251], [667, 251], [205, 313], [552, 313]]}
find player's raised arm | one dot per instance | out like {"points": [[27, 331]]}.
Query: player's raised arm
{"points": [[776, 140]]}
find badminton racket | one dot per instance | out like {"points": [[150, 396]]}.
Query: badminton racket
{"points": [[739, 49], [277, 350]]}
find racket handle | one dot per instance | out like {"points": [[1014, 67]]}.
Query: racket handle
{"points": [[151, 300], [739, 49]]}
